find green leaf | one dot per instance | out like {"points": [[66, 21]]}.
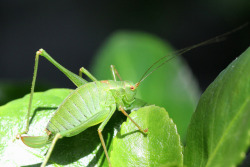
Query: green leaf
{"points": [[160, 147], [219, 133], [12, 121], [172, 86], [83, 149]]}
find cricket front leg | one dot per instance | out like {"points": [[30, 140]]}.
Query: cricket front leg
{"points": [[144, 131]]}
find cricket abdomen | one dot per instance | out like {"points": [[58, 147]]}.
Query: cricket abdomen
{"points": [[80, 106]]}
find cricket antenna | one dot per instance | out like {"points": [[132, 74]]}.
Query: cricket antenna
{"points": [[216, 39]]}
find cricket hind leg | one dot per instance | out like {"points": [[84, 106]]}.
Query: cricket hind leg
{"points": [[77, 80], [115, 73]]}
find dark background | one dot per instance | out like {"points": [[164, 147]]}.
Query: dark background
{"points": [[72, 31]]}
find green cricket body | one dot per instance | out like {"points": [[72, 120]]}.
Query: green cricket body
{"points": [[86, 106], [89, 105]]}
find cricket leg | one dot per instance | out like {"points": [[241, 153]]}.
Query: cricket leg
{"points": [[126, 114], [87, 73], [100, 133], [115, 72], [31, 96], [58, 136], [78, 81]]}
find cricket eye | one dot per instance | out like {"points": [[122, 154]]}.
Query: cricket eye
{"points": [[132, 87]]}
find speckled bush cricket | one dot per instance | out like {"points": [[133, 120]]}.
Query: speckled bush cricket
{"points": [[92, 102]]}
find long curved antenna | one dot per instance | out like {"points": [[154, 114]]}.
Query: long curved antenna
{"points": [[216, 39]]}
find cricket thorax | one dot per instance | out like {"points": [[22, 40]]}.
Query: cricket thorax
{"points": [[123, 91]]}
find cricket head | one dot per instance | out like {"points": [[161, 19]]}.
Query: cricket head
{"points": [[130, 92]]}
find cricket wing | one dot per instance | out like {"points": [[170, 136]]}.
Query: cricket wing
{"points": [[35, 141]]}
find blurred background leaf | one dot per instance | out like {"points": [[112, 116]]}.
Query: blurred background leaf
{"points": [[172, 86], [10, 90]]}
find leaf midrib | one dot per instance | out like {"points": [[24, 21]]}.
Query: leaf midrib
{"points": [[226, 132]]}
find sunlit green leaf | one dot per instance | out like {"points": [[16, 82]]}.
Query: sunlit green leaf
{"points": [[219, 133], [81, 150], [160, 147]]}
